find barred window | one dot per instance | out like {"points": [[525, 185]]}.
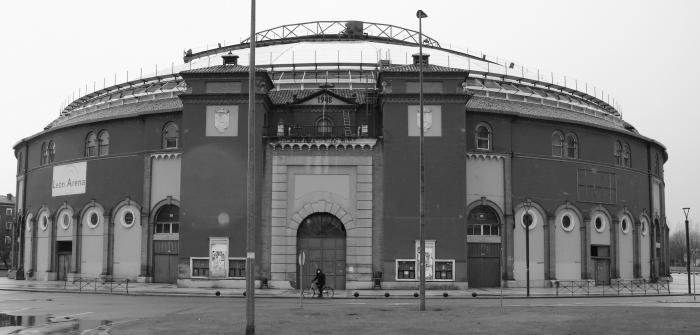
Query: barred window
{"points": [[171, 136], [103, 139], [406, 269], [571, 146], [626, 156], [236, 268], [44, 154], [200, 267], [483, 137], [91, 145], [618, 153], [557, 144], [444, 270], [52, 151]]}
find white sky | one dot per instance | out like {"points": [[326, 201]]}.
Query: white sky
{"points": [[644, 53]]}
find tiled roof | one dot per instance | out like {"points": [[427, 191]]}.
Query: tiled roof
{"points": [[539, 110], [134, 109], [287, 96], [5, 200], [426, 68], [223, 69]]}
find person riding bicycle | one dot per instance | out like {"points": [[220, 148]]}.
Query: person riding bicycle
{"points": [[320, 281]]}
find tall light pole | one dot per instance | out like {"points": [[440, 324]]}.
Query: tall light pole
{"points": [[421, 15], [250, 186], [686, 211], [527, 220]]}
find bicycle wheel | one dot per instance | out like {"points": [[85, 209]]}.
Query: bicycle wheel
{"points": [[328, 292]]}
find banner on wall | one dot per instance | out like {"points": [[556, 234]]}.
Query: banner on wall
{"points": [[218, 257], [429, 258], [69, 179]]}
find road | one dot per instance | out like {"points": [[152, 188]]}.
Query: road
{"points": [[71, 313]]}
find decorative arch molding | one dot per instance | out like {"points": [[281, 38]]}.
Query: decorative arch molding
{"points": [[535, 206], [167, 201], [643, 217], [44, 211], [625, 213], [67, 209], [321, 206], [568, 207], [127, 202], [486, 202], [90, 205], [518, 212], [29, 221], [600, 209]]}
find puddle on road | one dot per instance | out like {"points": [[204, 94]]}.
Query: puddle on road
{"points": [[47, 324]]}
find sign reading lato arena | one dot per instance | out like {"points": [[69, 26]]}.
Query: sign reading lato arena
{"points": [[69, 179]]}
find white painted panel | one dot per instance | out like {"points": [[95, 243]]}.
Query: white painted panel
{"points": [[91, 250], [600, 238], [485, 179], [625, 254], [656, 198], [567, 248], [127, 245], [536, 249], [165, 179], [645, 254]]}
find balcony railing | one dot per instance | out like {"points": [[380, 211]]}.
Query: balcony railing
{"points": [[319, 132]]}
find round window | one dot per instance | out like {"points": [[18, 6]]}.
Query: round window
{"points": [[644, 228], [44, 222], [566, 223], [93, 219], [599, 224], [128, 218], [29, 223], [65, 221], [624, 225]]}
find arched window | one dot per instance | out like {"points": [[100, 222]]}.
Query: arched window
{"points": [[103, 139], [52, 151], [482, 220], [571, 146], [324, 126], [618, 153], [171, 136], [483, 137], [44, 154], [168, 220], [91, 145], [626, 155], [557, 144]]}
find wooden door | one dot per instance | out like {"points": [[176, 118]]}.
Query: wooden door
{"points": [[322, 238], [165, 261], [602, 271], [63, 265], [483, 264]]}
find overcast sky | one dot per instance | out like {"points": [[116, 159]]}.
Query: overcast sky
{"points": [[646, 54]]}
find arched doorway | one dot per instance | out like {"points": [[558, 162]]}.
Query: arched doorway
{"points": [[322, 238], [166, 239], [483, 247]]}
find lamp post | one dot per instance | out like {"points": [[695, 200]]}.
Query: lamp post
{"points": [[421, 289], [250, 186], [527, 220], [686, 211]]}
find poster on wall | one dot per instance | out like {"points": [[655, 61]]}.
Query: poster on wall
{"points": [[218, 257], [69, 179], [429, 258]]}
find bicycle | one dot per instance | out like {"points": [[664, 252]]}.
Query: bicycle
{"points": [[328, 292]]}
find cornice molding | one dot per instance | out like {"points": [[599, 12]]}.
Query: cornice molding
{"points": [[329, 144]]}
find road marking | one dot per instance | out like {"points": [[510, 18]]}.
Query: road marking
{"points": [[105, 328]]}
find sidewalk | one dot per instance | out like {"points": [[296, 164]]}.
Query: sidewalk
{"points": [[677, 287]]}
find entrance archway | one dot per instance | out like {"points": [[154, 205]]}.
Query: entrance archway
{"points": [[483, 247], [166, 243], [322, 238]]}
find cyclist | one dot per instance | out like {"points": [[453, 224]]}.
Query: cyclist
{"points": [[320, 281]]}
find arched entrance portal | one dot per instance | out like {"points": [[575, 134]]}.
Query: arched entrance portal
{"points": [[166, 243], [322, 238], [483, 247]]}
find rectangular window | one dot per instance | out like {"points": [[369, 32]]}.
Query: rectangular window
{"points": [[405, 269], [444, 269], [175, 228], [483, 229], [160, 227], [8, 211], [600, 251], [236, 267], [200, 266], [223, 87]]}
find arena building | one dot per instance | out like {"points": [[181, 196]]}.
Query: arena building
{"points": [[146, 179]]}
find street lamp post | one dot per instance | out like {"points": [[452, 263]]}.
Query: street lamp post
{"points": [[527, 220], [686, 211], [421, 15]]}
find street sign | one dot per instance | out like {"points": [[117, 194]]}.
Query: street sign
{"points": [[302, 258]]}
